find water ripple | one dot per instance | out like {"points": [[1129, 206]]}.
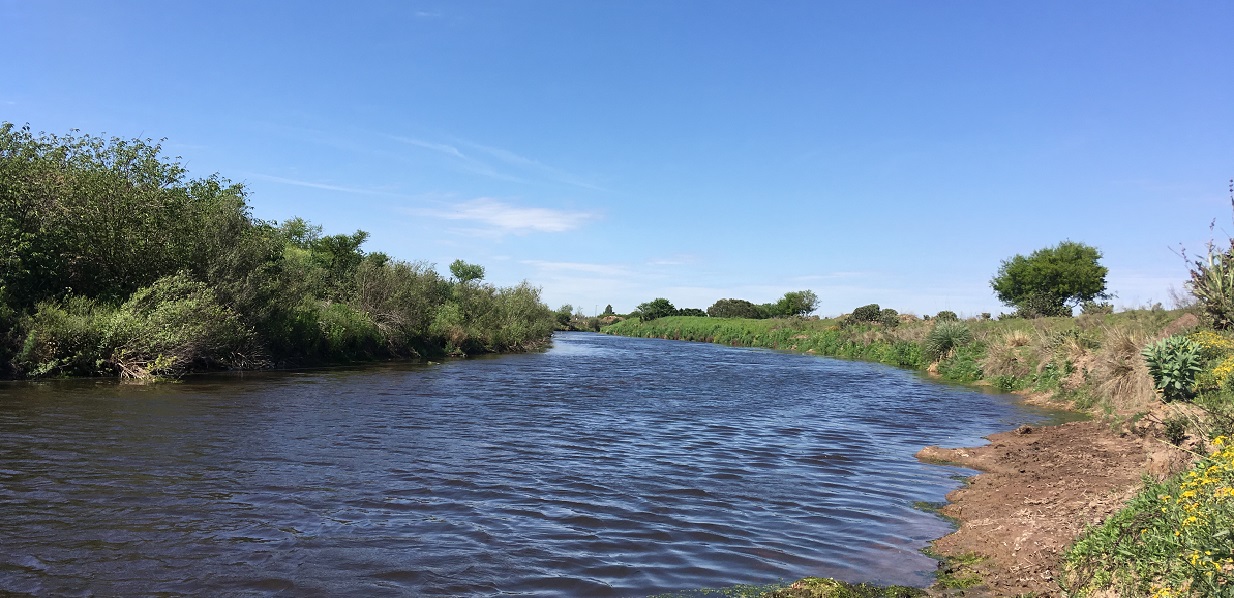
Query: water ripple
{"points": [[604, 467]]}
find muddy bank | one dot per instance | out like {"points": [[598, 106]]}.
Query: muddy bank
{"points": [[1039, 489]]}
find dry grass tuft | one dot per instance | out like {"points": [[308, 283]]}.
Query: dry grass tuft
{"points": [[1126, 383]]}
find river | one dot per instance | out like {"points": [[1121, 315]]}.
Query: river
{"points": [[605, 466]]}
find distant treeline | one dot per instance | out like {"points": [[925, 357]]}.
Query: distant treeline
{"points": [[116, 263]]}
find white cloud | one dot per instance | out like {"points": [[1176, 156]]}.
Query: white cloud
{"points": [[502, 217]]}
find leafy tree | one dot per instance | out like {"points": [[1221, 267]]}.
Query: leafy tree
{"points": [[608, 310], [734, 308], [1050, 281], [692, 311], [796, 303], [465, 273], [563, 315], [947, 316], [656, 308]]}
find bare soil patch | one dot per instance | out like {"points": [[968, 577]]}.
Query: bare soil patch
{"points": [[1039, 489]]}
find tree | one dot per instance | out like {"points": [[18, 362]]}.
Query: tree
{"points": [[656, 308], [1051, 281], [795, 303], [465, 272], [608, 310]]}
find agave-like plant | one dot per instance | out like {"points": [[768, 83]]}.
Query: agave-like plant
{"points": [[945, 338], [1212, 283], [1173, 363]]}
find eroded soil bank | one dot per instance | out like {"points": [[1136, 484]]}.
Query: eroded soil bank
{"points": [[1039, 489]]}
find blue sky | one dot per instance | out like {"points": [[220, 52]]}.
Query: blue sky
{"points": [[614, 152]]}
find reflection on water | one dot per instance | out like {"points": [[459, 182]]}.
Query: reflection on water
{"points": [[604, 467]]}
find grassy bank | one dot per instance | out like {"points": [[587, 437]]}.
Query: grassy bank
{"points": [[1092, 361]]}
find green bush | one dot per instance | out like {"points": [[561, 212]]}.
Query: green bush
{"points": [[734, 308], [866, 313], [945, 338], [889, 317], [947, 316], [1174, 363], [173, 326], [65, 339]]}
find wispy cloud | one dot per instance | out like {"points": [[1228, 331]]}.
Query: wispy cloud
{"points": [[602, 269], [501, 217], [525, 163], [680, 259], [316, 185], [473, 161]]}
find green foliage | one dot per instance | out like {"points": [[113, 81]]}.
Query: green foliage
{"points": [[608, 311], [162, 330], [867, 313], [734, 308], [656, 308], [947, 316], [1212, 283], [822, 587], [1175, 429], [1174, 363], [796, 303], [944, 338], [563, 315], [117, 263], [692, 312], [889, 317], [1051, 280], [465, 272]]}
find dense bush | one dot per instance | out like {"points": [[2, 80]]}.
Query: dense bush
{"points": [[734, 308], [947, 316], [119, 264], [867, 313]]}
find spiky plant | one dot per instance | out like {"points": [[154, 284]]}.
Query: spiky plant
{"points": [[945, 338]]}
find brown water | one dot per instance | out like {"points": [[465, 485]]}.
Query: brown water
{"points": [[606, 466]]}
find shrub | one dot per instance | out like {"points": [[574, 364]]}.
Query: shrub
{"points": [[945, 338], [1175, 429], [171, 326], [65, 339], [947, 316], [734, 308], [889, 317], [866, 313], [1173, 363]]}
